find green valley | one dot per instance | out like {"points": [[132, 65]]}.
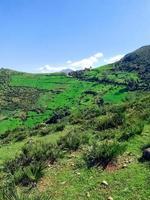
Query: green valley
{"points": [[76, 136]]}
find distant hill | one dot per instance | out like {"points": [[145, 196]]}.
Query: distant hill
{"points": [[137, 60], [67, 71]]}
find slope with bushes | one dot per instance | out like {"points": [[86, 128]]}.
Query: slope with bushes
{"points": [[76, 137]]}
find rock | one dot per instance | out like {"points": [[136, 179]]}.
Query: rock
{"points": [[124, 166], [130, 161], [72, 164], [78, 173], [104, 183], [110, 198], [62, 183], [88, 194], [146, 154]]}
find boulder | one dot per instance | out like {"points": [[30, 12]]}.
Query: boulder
{"points": [[146, 154]]}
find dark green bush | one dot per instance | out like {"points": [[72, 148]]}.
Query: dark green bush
{"points": [[44, 131], [73, 140], [100, 154], [59, 127], [30, 174], [57, 115], [131, 129], [20, 136], [107, 121], [41, 151], [31, 160], [51, 129], [4, 135], [9, 191], [100, 101], [119, 108], [107, 134], [86, 114]]}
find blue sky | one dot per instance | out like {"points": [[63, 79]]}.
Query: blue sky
{"points": [[41, 35]]}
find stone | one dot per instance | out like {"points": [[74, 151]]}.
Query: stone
{"points": [[124, 166], [130, 161], [64, 182], [72, 164], [110, 198], [104, 183], [146, 154], [78, 173], [88, 194]]}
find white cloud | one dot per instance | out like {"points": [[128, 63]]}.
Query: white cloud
{"points": [[76, 65], [86, 62], [113, 59]]}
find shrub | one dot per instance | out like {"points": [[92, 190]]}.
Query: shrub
{"points": [[118, 108], [20, 136], [90, 92], [131, 129], [57, 115], [28, 166], [51, 129], [9, 191], [30, 174], [72, 140], [100, 154], [59, 127], [4, 135], [86, 114], [107, 134], [100, 101], [40, 151], [108, 121]]}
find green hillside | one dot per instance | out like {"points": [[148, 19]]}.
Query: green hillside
{"points": [[79, 136]]}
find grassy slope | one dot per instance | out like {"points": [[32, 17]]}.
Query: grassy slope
{"points": [[70, 95], [81, 183], [56, 91]]}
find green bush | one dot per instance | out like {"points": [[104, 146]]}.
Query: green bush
{"points": [[131, 129], [107, 134], [41, 151], [58, 115], [86, 114], [28, 166], [20, 136], [118, 108], [9, 191], [73, 140], [30, 174], [100, 154], [44, 131], [108, 121], [56, 127], [59, 127]]}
